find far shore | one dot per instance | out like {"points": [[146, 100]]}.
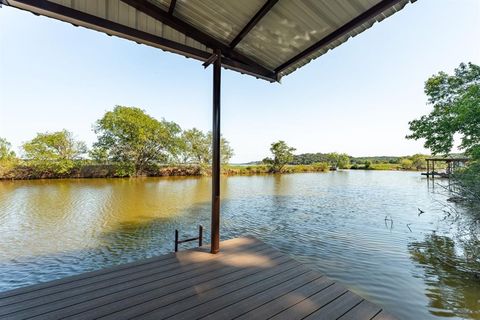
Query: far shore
{"points": [[111, 171]]}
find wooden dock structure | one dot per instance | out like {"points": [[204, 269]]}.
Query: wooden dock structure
{"points": [[451, 165], [246, 280]]}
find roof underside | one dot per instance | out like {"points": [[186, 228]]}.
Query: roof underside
{"points": [[264, 38]]}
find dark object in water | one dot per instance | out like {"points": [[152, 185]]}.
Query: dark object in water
{"points": [[456, 199], [408, 226]]}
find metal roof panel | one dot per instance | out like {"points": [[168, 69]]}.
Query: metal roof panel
{"points": [[285, 38]]}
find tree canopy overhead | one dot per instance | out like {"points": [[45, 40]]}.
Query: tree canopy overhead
{"points": [[456, 112]]}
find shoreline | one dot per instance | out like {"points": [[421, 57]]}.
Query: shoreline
{"points": [[112, 172]]}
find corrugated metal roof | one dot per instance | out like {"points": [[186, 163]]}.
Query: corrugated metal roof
{"points": [[288, 34], [221, 19]]}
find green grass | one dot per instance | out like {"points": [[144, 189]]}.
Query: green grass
{"points": [[385, 166]]}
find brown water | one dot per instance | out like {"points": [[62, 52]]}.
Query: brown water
{"points": [[334, 222]]}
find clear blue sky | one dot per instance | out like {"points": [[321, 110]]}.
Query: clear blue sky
{"points": [[357, 98]]}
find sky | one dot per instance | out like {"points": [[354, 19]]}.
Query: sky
{"points": [[358, 98]]}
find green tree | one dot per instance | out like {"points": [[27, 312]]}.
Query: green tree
{"points": [[6, 152], [367, 164], [226, 152], [55, 152], [130, 137], [418, 161], [197, 147], [456, 112], [282, 154], [339, 160], [406, 164]]}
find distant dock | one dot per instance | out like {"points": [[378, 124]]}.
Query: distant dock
{"points": [[452, 164]]}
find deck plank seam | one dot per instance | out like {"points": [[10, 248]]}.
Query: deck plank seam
{"points": [[77, 277], [192, 284], [166, 293], [300, 301], [326, 304], [239, 301], [331, 284], [294, 265], [134, 286], [350, 308], [204, 266], [376, 314], [237, 289], [109, 270], [113, 276], [140, 285]]}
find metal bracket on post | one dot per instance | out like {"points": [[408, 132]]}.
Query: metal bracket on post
{"points": [[210, 60]]}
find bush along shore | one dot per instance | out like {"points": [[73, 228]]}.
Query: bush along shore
{"points": [[88, 170]]}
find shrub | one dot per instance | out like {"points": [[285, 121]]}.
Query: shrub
{"points": [[321, 166]]}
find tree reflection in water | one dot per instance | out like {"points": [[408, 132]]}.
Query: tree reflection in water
{"points": [[451, 271]]}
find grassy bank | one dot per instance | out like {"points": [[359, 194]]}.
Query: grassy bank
{"points": [[79, 170], [264, 169], [380, 166], [24, 171]]}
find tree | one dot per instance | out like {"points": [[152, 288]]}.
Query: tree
{"points": [[55, 151], [456, 111], [6, 152], [406, 164], [226, 152], [339, 160], [132, 138], [418, 161], [282, 154], [368, 164], [198, 147]]}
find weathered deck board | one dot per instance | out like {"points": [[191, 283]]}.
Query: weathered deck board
{"points": [[123, 286], [247, 280]]}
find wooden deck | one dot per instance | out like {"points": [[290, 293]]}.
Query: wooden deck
{"points": [[247, 280]]}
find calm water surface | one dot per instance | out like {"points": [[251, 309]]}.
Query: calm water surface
{"points": [[334, 222]]}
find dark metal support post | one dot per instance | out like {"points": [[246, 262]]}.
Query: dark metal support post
{"points": [[428, 169], [433, 170], [176, 240], [215, 230]]}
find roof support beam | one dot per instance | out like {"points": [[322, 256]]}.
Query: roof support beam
{"points": [[172, 6], [109, 27], [190, 31], [253, 22], [343, 30]]}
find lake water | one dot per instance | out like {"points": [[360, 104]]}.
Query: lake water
{"points": [[416, 267]]}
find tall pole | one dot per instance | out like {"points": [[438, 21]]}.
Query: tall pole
{"points": [[215, 232]]}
